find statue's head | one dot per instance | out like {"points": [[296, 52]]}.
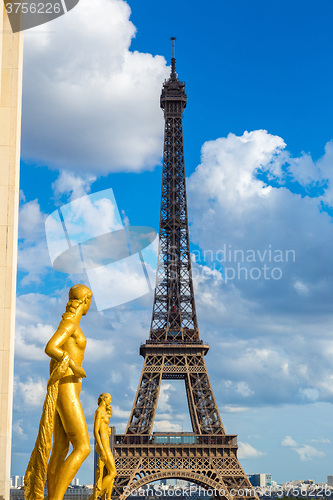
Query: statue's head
{"points": [[79, 292], [105, 396], [80, 295]]}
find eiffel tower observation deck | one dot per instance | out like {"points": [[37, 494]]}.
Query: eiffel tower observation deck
{"points": [[207, 456]]}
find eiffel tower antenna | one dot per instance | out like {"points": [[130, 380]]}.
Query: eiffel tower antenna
{"points": [[207, 456], [173, 60]]}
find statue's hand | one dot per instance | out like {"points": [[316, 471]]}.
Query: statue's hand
{"points": [[78, 371], [103, 456]]}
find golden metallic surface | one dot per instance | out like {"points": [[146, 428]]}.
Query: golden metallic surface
{"points": [[62, 411], [103, 485]]}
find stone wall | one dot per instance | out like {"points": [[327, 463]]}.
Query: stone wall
{"points": [[11, 48]]}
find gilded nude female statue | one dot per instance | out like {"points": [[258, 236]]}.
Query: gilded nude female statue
{"points": [[62, 416], [103, 485]]}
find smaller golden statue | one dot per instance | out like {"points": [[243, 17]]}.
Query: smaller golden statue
{"points": [[62, 417], [103, 485]]}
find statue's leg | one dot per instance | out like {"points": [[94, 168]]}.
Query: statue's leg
{"points": [[74, 424], [111, 466], [58, 455], [98, 480], [105, 491]]}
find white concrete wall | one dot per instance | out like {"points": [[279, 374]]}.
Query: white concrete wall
{"points": [[11, 50]]}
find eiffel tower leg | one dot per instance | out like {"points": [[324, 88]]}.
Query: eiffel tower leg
{"points": [[144, 409], [203, 409]]}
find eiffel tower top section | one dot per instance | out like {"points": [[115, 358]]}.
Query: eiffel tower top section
{"points": [[173, 97], [174, 317]]}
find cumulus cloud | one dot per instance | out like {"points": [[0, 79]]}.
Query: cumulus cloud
{"points": [[289, 441], [244, 389], [234, 409], [30, 340], [98, 350], [241, 388], [33, 260], [165, 397], [89, 102], [33, 257], [166, 426], [31, 220], [72, 185], [89, 402], [245, 450], [307, 452], [248, 224], [18, 429], [118, 412], [30, 392]]}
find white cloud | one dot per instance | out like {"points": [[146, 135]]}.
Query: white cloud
{"points": [[301, 288], [88, 217], [30, 340], [164, 397], [268, 324], [88, 401], [227, 168], [89, 102], [166, 426], [307, 452], [234, 409], [97, 350], [241, 388], [310, 393], [34, 260], [31, 220], [289, 441], [18, 429], [304, 170], [245, 450], [118, 412], [244, 389], [30, 392], [33, 256], [72, 184]]}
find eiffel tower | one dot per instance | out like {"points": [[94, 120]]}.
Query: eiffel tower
{"points": [[207, 456]]}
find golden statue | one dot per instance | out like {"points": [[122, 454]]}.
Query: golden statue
{"points": [[103, 485], [62, 415]]}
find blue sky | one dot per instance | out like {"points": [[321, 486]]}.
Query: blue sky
{"points": [[259, 162]]}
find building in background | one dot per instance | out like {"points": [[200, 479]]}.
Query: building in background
{"points": [[17, 481], [72, 493], [261, 480]]}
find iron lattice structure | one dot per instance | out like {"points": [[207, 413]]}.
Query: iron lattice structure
{"points": [[174, 350]]}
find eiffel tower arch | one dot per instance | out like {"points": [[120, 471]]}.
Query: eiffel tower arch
{"points": [[207, 456]]}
